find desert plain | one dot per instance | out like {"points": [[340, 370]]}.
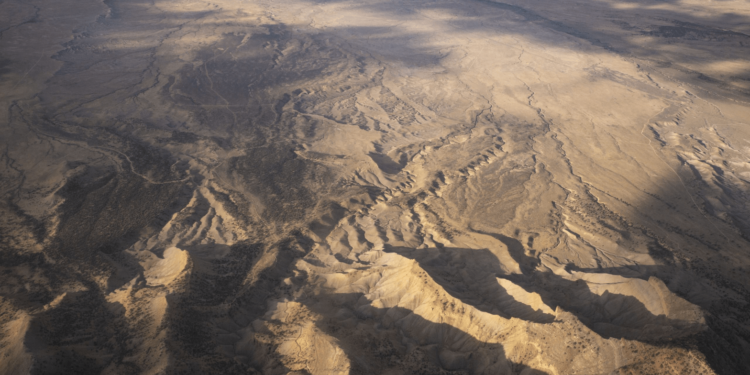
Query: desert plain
{"points": [[374, 187]]}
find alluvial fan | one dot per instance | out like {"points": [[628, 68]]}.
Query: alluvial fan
{"points": [[374, 187]]}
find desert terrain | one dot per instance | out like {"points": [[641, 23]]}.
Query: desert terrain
{"points": [[374, 187]]}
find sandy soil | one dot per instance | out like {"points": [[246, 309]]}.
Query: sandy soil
{"points": [[374, 187]]}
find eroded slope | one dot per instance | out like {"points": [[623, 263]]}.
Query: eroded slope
{"points": [[323, 187]]}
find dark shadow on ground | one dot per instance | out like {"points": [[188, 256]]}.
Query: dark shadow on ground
{"points": [[470, 275], [407, 342], [611, 27]]}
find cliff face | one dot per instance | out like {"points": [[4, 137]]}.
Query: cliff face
{"points": [[377, 187]]}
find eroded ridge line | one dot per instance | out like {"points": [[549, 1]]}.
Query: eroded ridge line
{"points": [[677, 174]]}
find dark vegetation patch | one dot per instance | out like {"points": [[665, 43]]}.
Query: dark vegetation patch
{"points": [[285, 183], [101, 209]]}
